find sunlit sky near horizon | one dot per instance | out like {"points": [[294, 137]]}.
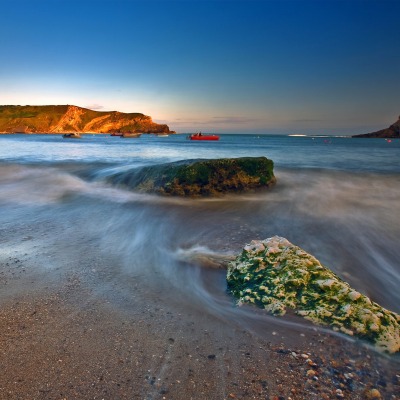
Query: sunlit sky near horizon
{"points": [[328, 67]]}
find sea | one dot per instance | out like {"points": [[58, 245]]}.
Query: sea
{"points": [[335, 197]]}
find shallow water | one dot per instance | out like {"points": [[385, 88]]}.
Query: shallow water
{"points": [[336, 198]]}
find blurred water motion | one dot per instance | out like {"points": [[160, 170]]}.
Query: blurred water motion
{"points": [[347, 219]]}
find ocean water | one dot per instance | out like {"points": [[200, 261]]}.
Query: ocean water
{"points": [[338, 198], [333, 153]]}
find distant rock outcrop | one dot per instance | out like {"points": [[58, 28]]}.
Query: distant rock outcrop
{"points": [[196, 178], [392, 132], [68, 119], [276, 275]]}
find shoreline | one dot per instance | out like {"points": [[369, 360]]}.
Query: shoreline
{"points": [[81, 331], [171, 133]]}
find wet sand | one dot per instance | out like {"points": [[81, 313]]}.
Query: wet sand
{"points": [[75, 326]]}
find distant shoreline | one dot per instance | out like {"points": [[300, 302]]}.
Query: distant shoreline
{"points": [[171, 133]]}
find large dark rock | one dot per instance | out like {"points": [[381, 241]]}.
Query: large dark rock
{"points": [[200, 177], [392, 132]]}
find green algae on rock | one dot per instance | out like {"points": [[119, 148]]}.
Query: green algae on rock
{"points": [[275, 274], [194, 178]]}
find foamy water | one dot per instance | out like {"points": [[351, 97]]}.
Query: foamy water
{"points": [[337, 200]]}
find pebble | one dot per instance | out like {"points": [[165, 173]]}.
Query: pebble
{"points": [[373, 394], [311, 363], [310, 372], [339, 393]]}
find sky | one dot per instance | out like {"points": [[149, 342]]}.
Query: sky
{"points": [[274, 67]]}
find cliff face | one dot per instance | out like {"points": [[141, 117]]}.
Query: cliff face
{"points": [[67, 119], [392, 132]]}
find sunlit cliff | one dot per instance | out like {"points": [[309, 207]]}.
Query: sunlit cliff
{"points": [[69, 118]]}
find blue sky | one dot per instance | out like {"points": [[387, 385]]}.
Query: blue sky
{"points": [[223, 66]]}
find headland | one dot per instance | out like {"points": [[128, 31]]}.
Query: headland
{"points": [[70, 119]]}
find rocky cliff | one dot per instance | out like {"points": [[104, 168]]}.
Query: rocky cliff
{"points": [[392, 132], [68, 118]]}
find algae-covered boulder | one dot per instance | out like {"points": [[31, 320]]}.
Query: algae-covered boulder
{"points": [[275, 274], [200, 177]]}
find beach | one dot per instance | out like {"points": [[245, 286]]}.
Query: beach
{"points": [[77, 331], [70, 335], [103, 295]]}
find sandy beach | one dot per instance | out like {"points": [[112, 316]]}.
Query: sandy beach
{"points": [[74, 327]]}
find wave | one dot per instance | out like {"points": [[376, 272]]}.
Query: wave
{"points": [[347, 220]]}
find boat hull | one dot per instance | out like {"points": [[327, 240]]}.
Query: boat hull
{"points": [[72, 136], [203, 137], [131, 135]]}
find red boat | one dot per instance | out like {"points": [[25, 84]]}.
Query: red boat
{"points": [[200, 136], [116, 134]]}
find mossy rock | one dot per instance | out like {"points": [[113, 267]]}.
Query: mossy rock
{"points": [[275, 275], [196, 178]]}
